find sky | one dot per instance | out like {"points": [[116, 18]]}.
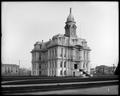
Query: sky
{"points": [[25, 23]]}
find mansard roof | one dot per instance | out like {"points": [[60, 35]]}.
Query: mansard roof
{"points": [[38, 43]]}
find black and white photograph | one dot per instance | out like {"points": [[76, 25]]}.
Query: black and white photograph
{"points": [[59, 48]]}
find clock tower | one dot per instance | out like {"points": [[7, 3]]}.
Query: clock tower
{"points": [[70, 27]]}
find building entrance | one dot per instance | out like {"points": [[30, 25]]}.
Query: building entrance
{"points": [[73, 73]]}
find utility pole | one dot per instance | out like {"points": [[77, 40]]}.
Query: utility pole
{"points": [[19, 67], [19, 63], [113, 67], [103, 70]]}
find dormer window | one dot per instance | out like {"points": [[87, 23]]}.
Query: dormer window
{"points": [[82, 43], [73, 40], [60, 38], [76, 40], [40, 46]]}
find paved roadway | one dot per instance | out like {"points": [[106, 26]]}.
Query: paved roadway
{"points": [[41, 80], [56, 84], [26, 88], [40, 85], [12, 78], [106, 90]]}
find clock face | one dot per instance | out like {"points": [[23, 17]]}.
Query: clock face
{"points": [[74, 26]]}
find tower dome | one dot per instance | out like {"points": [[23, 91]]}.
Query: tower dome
{"points": [[70, 17]]}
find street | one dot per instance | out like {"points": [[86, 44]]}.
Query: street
{"points": [[61, 86], [107, 90]]}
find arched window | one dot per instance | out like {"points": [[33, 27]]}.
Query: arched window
{"points": [[61, 72], [61, 64], [65, 52], [65, 64], [39, 66], [53, 64], [39, 72], [39, 57], [64, 72]]}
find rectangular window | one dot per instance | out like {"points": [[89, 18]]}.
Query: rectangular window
{"points": [[61, 52], [52, 72], [84, 65], [50, 53], [55, 64], [50, 64], [8, 69], [55, 51]]}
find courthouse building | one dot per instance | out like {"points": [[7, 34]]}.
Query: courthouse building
{"points": [[63, 55]]}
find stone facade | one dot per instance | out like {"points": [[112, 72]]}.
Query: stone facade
{"points": [[63, 55]]}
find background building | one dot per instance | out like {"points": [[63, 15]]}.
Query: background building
{"points": [[24, 72], [63, 55], [92, 71], [104, 70], [10, 70], [14, 70]]}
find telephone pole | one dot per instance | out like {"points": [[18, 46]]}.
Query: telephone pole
{"points": [[19, 63], [19, 67]]}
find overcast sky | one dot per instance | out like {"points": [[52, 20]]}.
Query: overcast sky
{"points": [[24, 23]]}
